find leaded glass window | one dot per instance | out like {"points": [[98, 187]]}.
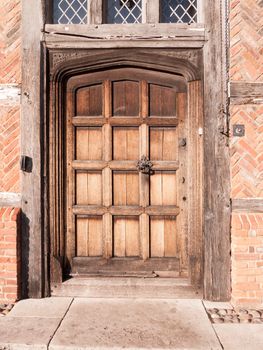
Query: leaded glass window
{"points": [[70, 11], [124, 11], [179, 11]]}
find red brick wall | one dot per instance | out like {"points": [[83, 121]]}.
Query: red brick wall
{"points": [[10, 39], [246, 64], [9, 147], [246, 23], [247, 152], [10, 81], [247, 253], [9, 254]]}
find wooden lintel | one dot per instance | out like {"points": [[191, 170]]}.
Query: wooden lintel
{"points": [[141, 35], [129, 30], [67, 42], [247, 205]]}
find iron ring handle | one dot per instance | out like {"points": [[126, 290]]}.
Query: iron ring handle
{"points": [[144, 165]]}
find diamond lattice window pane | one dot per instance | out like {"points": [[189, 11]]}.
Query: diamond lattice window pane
{"points": [[179, 11], [70, 11], [124, 11]]}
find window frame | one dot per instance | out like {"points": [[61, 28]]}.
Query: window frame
{"points": [[97, 12]]}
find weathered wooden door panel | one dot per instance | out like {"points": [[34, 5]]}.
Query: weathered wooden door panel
{"points": [[114, 120]]}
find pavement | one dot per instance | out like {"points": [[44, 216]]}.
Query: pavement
{"points": [[58, 323]]}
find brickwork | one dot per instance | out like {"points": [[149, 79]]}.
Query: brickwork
{"points": [[247, 259], [9, 148], [9, 254], [10, 80], [247, 152], [10, 42], [10, 73], [246, 64], [246, 20]]}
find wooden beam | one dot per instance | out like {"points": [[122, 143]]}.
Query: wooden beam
{"points": [[246, 92], [247, 205], [120, 32], [195, 183], [33, 252], [128, 29], [200, 11], [152, 11], [57, 41], [217, 261], [10, 92], [9, 199], [47, 11], [83, 265], [95, 12], [246, 89]]}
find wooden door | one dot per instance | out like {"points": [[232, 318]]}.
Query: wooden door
{"points": [[122, 220]]}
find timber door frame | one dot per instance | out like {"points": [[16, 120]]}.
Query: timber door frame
{"points": [[144, 59], [38, 40]]}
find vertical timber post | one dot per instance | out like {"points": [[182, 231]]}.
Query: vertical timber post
{"points": [[195, 179], [32, 244], [216, 157]]}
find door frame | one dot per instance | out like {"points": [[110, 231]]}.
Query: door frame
{"points": [[38, 40], [136, 59]]}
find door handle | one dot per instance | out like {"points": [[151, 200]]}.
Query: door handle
{"points": [[182, 142], [145, 166]]}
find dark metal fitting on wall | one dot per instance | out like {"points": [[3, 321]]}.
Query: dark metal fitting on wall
{"points": [[26, 164]]}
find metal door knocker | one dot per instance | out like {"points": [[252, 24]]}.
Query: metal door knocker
{"points": [[145, 166]]}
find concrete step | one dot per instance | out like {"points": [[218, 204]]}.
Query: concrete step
{"points": [[126, 287]]}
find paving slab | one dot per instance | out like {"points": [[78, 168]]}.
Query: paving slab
{"points": [[48, 307], [240, 336], [135, 324], [23, 333]]}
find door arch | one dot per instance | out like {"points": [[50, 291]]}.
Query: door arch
{"points": [[70, 80]]}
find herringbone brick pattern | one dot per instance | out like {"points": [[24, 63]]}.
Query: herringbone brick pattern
{"points": [[247, 259], [246, 64], [247, 152], [9, 148], [10, 73], [10, 41], [246, 23]]}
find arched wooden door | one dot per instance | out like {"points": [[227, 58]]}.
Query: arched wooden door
{"points": [[126, 170]]}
